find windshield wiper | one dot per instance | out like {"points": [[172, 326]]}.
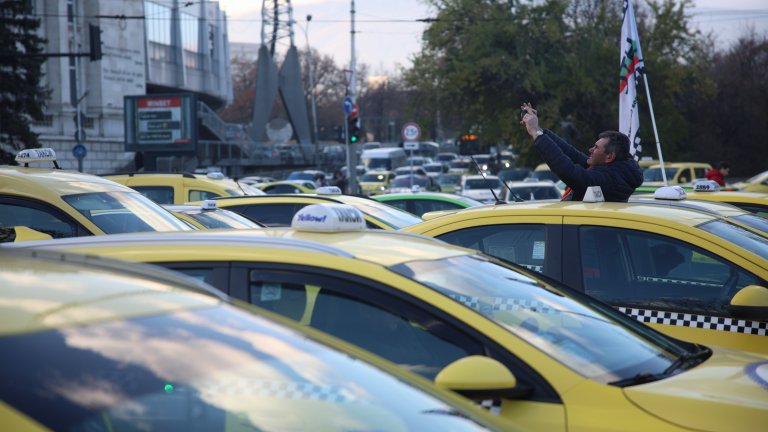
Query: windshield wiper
{"points": [[688, 357], [685, 359]]}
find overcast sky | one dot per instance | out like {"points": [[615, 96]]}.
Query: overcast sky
{"points": [[387, 33]]}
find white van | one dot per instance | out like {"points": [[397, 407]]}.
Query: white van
{"points": [[383, 159]]}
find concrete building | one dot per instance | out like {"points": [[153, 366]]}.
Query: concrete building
{"points": [[149, 47]]}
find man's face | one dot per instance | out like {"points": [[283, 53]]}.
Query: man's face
{"points": [[597, 154]]}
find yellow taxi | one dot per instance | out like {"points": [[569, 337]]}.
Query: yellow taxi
{"points": [[676, 173], [677, 196], [754, 202], [207, 215], [278, 210], [64, 203], [534, 351], [757, 183], [688, 273], [288, 187], [98, 345], [179, 188], [375, 182]]}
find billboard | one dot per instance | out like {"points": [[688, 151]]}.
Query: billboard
{"points": [[162, 122]]}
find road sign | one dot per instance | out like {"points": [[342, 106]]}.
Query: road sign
{"points": [[411, 145], [347, 105], [411, 132], [79, 151]]}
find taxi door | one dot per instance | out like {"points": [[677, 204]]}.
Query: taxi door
{"points": [[666, 279]]}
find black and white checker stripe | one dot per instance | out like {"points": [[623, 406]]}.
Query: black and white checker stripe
{"points": [[677, 281], [504, 304], [697, 321], [492, 405], [280, 390]]}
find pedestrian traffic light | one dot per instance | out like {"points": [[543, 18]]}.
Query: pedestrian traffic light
{"points": [[353, 126], [94, 42]]}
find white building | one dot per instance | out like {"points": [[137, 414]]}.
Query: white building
{"points": [[149, 47]]}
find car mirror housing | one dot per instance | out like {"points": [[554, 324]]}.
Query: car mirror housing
{"points": [[750, 302], [479, 377]]}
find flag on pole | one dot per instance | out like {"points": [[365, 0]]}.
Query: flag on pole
{"points": [[630, 70]]}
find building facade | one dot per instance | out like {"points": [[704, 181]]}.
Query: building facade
{"points": [[148, 47]]}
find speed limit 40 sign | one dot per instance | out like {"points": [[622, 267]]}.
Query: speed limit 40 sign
{"points": [[411, 132]]}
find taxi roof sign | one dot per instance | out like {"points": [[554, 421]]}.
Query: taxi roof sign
{"points": [[328, 217], [593, 194], [675, 193], [328, 190], [706, 186], [36, 155], [209, 205]]}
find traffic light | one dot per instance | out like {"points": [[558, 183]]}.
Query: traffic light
{"points": [[94, 42], [353, 126]]}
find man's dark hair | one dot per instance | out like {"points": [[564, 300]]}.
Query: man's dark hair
{"points": [[618, 143], [723, 165]]}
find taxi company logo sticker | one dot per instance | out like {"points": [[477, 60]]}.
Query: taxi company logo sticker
{"points": [[312, 218], [758, 372]]}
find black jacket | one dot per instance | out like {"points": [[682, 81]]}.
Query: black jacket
{"points": [[618, 180]]}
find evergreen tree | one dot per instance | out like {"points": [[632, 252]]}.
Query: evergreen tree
{"points": [[22, 96]]}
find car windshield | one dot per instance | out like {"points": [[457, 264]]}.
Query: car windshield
{"points": [[529, 193], [654, 174], [591, 338], [514, 174], [737, 235], [448, 179], [406, 181], [481, 183], [124, 212], [433, 168], [392, 216], [373, 177], [249, 374], [221, 218]]}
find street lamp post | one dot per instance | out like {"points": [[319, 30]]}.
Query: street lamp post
{"points": [[312, 93]]}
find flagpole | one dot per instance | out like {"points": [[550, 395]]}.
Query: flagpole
{"points": [[655, 132]]}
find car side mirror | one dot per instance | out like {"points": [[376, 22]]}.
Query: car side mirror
{"points": [[750, 302], [479, 377]]}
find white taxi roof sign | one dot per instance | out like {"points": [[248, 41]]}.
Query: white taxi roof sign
{"points": [[593, 194], [216, 175], [36, 155], [209, 205], [328, 217], [674, 193], [328, 190], [706, 186]]}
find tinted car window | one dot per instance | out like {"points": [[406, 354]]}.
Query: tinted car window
{"points": [[200, 195], [38, 217], [158, 194], [633, 268], [269, 214], [523, 244]]}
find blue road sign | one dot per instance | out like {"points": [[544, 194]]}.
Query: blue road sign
{"points": [[347, 105], [79, 151]]}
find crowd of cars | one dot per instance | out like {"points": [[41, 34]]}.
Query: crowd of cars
{"points": [[422, 310]]}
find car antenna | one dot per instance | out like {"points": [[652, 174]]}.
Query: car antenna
{"points": [[498, 201], [239, 186]]}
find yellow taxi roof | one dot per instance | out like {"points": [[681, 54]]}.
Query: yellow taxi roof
{"points": [[731, 196], [58, 290], [48, 183], [381, 247], [626, 211]]}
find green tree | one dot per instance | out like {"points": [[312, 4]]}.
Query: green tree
{"points": [[22, 97]]}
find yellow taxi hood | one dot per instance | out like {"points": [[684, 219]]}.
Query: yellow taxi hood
{"points": [[727, 392]]}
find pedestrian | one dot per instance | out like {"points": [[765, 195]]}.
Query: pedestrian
{"points": [[339, 181], [609, 164], [320, 180], [719, 174]]}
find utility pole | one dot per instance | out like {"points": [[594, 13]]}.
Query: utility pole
{"points": [[312, 94], [74, 76], [351, 155]]}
